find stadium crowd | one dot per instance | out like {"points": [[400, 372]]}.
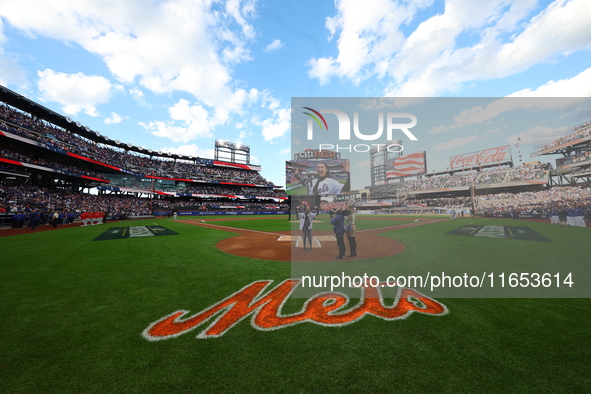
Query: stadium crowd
{"points": [[227, 190], [63, 166], [217, 205], [540, 202], [25, 198], [495, 175], [574, 200], [19, 123], [582, 131], [443, 202]]}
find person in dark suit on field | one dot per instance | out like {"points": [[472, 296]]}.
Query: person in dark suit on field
{"points": [[338, 224], [15, 220], [562, 214], [22, 219], [34, 220], [351, 230]]}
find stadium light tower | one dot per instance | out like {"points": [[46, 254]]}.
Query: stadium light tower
{"points": [[222, 148], [518, 145], [380, 158]]}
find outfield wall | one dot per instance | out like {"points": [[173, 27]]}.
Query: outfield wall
{"points": [[507, 215], [221, 213]]}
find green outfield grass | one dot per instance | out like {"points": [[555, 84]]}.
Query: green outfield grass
{"points": [[281, 223], [73, 311]]}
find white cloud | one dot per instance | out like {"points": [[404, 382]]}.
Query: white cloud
{"points": [[539, 136], [138, 95], [455, 143], [558, 30], [569, 93], [75, 92], [578, 86], [167, 130], [368, 36], [190, 150], [195, 122], [480, 115], [277, 126], [364, 164], [10, 72], [240, 10], [274, 126], [322, 69], [492, 132], [114, 119], [274, 46], [165, 46], [439, 129], [434, 59], [390, 102]]}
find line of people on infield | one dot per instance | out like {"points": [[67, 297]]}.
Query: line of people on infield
{"points": [[343, 222]]}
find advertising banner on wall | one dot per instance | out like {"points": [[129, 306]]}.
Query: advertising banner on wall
{"points": [[483, 158]]}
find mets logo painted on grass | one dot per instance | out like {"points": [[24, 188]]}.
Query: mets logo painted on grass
{"points": [[134, 232], [504, 232], [325, 309]]}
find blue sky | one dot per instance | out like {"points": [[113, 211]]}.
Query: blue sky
{"points": [[176, 75]]}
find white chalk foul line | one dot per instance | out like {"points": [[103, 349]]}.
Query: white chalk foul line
{"points": [[228, 227], [269, 233], [398, 226]]}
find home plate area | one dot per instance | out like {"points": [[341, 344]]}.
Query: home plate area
{"points": [[299, 240], [325, 247], [286, 246]]}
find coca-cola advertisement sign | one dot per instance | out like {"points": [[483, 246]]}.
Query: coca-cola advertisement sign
{"points": [[481, 158]]}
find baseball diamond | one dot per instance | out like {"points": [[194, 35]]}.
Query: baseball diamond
{"points": [[247, 196]]}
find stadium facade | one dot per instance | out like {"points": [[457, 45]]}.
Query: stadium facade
{"points": [[45, 153]]}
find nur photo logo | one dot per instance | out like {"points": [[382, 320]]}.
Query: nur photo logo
{"points": [[391, 123]]}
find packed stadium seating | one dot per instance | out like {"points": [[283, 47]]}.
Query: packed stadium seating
{"points": [[221, 205], [19, 123], [39, 151], [495, 175], [582, 131], [57, 163], [534, 203], [200, 183], [24, 198], [544, 201]]}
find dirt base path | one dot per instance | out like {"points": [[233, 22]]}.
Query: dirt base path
{"points": [[268, 246]]}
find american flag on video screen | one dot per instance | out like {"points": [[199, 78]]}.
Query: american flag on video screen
{"points": [[407, 165]]}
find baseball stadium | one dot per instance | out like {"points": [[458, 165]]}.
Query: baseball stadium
{"points": [[131, 270]]}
